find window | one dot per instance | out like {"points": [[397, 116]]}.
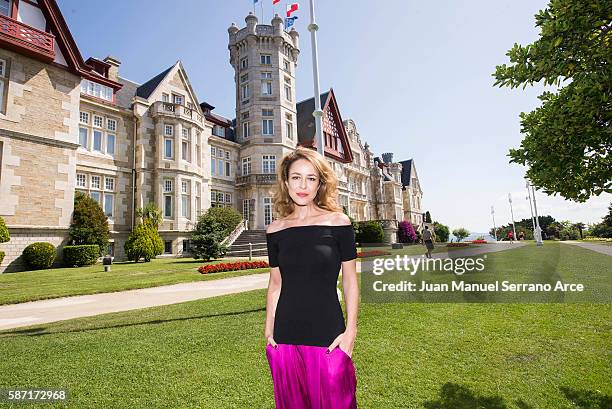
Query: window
{"points": [[245, 115], [95, 182], [266, 83], [185, 150], [109, 202], [165, 97], [213, 165], [286, 65], [267, 210], [109, 183], [220, 167], [97, 90], [184, 186], [185, 199], [267, 112], [244, 91], [227, 169], [111, 124], [97, 140], [245, 129], [245, 209], [198, 201], [84, 118], [246, 166], [244, 63], [110, 144], [5, 8], [168, 148], [167, 206], [97, 196], [289, 129], [169, 130], [244, 78], [81, 180], [213, 151], [178, 99], [98, 121], [185, 132], [269, 163], [186, 246], [218, 131], [266, 59], [167, 185], [287, 92], [83, 137], [228, 199], [267, 126]]}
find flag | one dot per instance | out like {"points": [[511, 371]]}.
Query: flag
{"points": [[291, 8], [289, 21], [275, 1]]}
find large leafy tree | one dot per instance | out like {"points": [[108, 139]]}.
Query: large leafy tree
{"points": [[89, 223], [568, 138]]}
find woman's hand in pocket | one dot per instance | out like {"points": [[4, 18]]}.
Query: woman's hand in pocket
{"points": [[270, 341]]}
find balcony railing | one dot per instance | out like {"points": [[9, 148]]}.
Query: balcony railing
{"points": [[26, 39], [257, 179], [177, 111]]}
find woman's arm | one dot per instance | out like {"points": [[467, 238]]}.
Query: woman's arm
{"points": [[274, 289], [351, 302]]}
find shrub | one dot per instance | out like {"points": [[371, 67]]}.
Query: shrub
{"points": [[4, 233], [89, 223], [235, 266], [207, 237], [227, 218], [82, 255], [441, 232], [406, 233], [144, 242], [1, 256], [460, 233], [39, 255], [370, 232]]}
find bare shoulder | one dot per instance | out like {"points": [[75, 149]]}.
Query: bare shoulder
{"points": [[340, 219], [276, 225]]}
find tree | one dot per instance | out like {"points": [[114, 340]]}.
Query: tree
{"points": [[143, 242], [427, 217], [4, 236], [207, 237], [460, 233], [150, 212], [580, 226], [604, 229], [89, 223], [568, 138], [227, 218], [405, 232], [441, 232]]}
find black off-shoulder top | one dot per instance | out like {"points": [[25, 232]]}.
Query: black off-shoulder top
{"points": [[309, 257]]}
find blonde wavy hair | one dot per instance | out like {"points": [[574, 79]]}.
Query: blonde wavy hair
{"points": [[328, 182]]}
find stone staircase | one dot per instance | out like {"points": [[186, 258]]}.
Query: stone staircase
{"points": [[240, 246]]}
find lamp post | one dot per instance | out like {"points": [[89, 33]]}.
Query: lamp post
{"points": [[512, 215], [494, 228], [531, 211], [317, 113], [538, 229]]}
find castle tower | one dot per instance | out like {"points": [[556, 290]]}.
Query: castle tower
{"points": [[264, 58]]}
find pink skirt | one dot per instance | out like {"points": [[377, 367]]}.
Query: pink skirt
{"points": [[307, 377]]}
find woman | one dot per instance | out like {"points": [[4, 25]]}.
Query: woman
{"points": [[428, 241], [309, 345]]}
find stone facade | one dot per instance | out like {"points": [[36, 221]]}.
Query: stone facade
{"points": [[70, 125]]}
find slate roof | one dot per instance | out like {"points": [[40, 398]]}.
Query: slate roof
{"points": [[146, 89], [305, 120]]}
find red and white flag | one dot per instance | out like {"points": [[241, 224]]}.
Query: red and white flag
{"points": [[275, 1], [291, 8]]}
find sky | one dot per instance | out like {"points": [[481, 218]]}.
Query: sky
{"points": [[415, 76]]}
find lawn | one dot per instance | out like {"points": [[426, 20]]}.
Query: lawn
{"points": [[210, 354], [62, 282]]}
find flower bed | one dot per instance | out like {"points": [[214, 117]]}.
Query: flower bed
{"points": [[457, 244], [237, 265], [372, 253], [479, 242]]}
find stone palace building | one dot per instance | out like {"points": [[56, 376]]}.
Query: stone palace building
{"points": [[72, 124]]}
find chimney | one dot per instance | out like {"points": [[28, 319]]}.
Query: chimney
{"points": [[387, 157], [113, 71]]}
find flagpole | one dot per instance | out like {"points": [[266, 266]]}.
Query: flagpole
{"points": [[512, 215], [318, 114], [494, 228]]}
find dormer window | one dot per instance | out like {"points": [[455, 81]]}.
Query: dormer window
{"points": [[96, 90]]}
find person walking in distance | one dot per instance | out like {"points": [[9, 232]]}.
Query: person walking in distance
{"points": [[309, 343], [428, 241]]}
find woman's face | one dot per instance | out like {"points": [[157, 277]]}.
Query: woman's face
{"points": [[303, 182]]}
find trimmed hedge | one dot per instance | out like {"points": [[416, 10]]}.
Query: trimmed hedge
{"points": [[39, 255], [4, 233], [82, 255], [1, 256]]}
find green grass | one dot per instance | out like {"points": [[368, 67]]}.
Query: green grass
{"points": [[62, 282], [210, 353]]}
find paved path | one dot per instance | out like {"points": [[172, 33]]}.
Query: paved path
{"points": [[600, 248], [59, 309]]}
